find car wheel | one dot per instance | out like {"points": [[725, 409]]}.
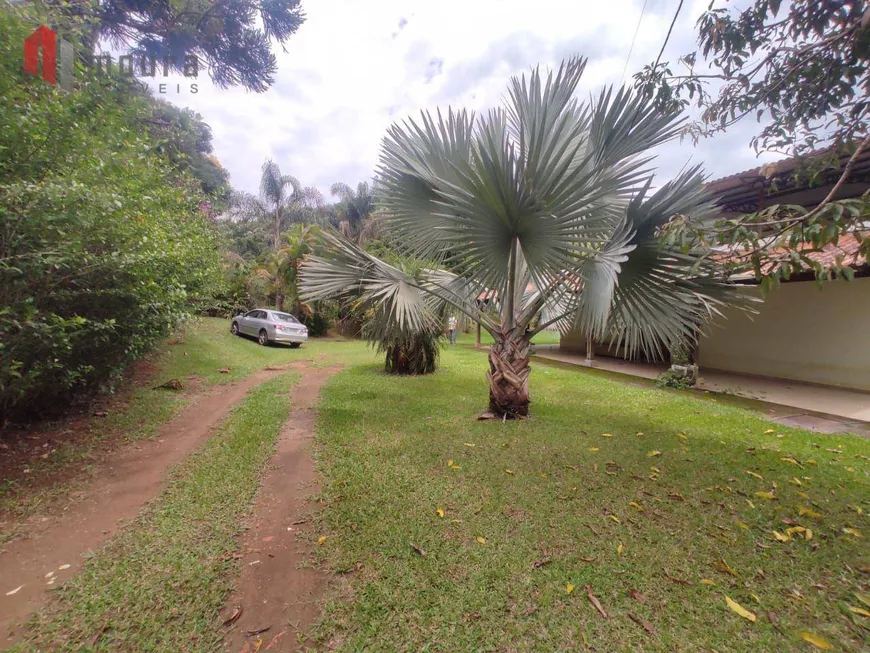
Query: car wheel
{"points": [[264, 338], [234, 329], [295, 345]]}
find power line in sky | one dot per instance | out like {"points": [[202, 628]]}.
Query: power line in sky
{"points": [[634, 38], [668, 35]]}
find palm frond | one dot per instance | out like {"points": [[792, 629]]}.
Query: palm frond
{"points": [[649, 295], [348, 272], [271, 183], [341, 190]]}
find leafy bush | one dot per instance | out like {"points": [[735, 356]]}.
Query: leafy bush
{"points": [[671, 379], [103, 248], [317, 323]]}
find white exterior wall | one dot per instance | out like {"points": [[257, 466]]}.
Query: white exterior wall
{"points": [[801, 332]]}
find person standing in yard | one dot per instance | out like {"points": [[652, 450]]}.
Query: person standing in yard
{"points": [[451, 327]]}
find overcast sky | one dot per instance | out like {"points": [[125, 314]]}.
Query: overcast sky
{"points": [[354, 67]]}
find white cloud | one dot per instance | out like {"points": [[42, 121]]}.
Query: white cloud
{"points": [[354, 67]]}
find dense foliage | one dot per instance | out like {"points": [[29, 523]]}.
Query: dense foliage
{"points": [[271, 233], [186, 140], [233, 40], [799, 69], [104, 246]]}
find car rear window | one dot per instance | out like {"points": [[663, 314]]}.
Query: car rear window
{"points": [[285, 317]]}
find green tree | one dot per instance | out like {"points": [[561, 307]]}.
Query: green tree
{"points": [[546, 202], [300, 241], [354, 207], [233, 38], [802, 70], [186, 140], [103, 246], [277, 193]]}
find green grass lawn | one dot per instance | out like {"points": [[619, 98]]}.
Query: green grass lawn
{"points": [[664, 504], [543, 338]]}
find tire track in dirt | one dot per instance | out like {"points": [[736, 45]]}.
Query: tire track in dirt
{"points": [[276, 589], [121, 487]]}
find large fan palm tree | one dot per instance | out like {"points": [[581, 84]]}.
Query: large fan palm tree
{"points": [[546, 204]]}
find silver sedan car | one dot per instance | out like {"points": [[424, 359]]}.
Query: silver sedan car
{"points": [[270, 326]]}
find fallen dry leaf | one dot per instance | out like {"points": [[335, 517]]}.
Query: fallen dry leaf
{"points": [[653, 454], [706, 581], [770, 496], [418, 549], [754, 474], [440, 512], [322, 539], [569, 588], [789, 459], [636, 506], [804, 511], [863, 598], [619, 550], [593, 448], [861, 611], [237, 612], [637, 596], [681, 581], [725, 568], [815, 640], [595, 602], [739, 609], [15, 591], [257, 631], [481, 540], [225, 370], [643, 623], [780, 537], [852, 531]]}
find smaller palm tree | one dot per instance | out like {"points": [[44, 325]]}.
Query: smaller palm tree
{"points": [[300, 241], [354, 207]]}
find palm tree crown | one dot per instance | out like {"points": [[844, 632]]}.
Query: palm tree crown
{"points": [[547, 203]]}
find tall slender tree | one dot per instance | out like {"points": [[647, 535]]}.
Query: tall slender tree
{"points": [[278, 192]]}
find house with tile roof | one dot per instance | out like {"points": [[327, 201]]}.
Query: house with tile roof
{"points": [[803, 331]]}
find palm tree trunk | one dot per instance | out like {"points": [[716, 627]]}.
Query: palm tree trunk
{"points": [[509, 378]]}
